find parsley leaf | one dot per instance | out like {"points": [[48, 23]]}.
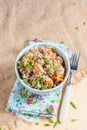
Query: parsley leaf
{"points": [[62, 42], [52, 67], [29, 67], [56, 122], [37, 123], [21, 65], [72, 120], [51, 121], [47, 62], [76, 28], [30, 59], [25, 80], [43, 88], [47, 124], [37, 82], [73, 105]]}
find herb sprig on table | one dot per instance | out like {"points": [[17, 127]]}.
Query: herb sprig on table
{"points": [[62, 42], [46, 124], [73, 120], [55, 123], [73, 105], [49, 123], [77, 28], [37, 123]]}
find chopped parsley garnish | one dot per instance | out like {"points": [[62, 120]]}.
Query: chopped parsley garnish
{"points": [[55, 124], [62, 42], [72, 120], [73, 105], [51, 121], [30, 59], [52, 67], [37, 123], [29, 67], [43, 88], [47, 62], [37, 82], [21, 65], [25, 81], [50, 86], [46, 124], [76, 28]]}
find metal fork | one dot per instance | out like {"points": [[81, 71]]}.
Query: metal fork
{"points": [[64, 106]]}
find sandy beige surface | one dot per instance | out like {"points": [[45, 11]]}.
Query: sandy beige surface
{"points": [[55, 20]]}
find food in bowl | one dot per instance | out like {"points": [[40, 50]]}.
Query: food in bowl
{"points": [[42, 68]]}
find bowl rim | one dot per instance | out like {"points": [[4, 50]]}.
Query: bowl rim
{"points": [[33, 90]]}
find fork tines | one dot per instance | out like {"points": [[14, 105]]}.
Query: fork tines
{"points": [[74, 60]]}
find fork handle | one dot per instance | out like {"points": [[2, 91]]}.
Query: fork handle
{"points": [[65, 104]]}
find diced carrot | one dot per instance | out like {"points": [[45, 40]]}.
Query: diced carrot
{"points": [[61, 76], [60, 79], [36, 67], [54, 77], [27, 56], [49, 82], [49, 50], [53, 56]]}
